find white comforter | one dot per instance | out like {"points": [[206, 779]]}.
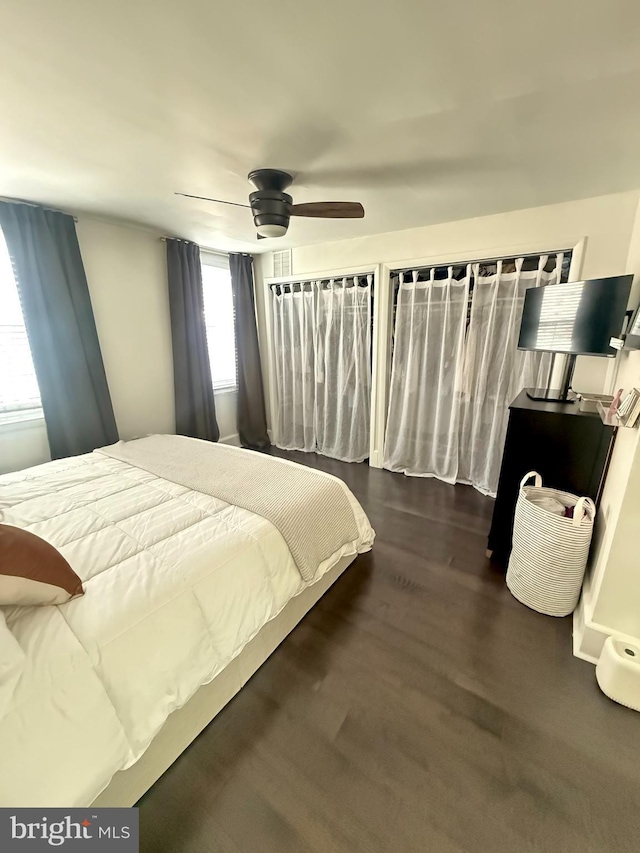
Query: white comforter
{"points": [[176, 582]]}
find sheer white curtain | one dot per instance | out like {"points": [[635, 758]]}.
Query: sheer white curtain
{"points": [[451, 380], [428, 355], [295, 365], [322, 342], [496, 370], [343, 369]]}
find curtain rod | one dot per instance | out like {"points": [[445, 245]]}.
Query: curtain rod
{"points": [[463, 263], [313, 278], [206, 249], [35, 204]]}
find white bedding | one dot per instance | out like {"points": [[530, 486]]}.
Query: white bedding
{"points": [[176, 582]]}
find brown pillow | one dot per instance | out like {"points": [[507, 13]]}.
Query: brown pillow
{"points": [[32, 571]]}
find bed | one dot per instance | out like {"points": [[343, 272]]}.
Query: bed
{"points": [[186, 595]]}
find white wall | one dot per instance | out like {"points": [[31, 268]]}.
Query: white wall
{"points": [[127, 276], [611, 594], [606, 222], [22, 445]]}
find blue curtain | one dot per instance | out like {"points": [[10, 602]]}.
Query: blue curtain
{"points": [[195, 404], [61, 328], [252, 420]]}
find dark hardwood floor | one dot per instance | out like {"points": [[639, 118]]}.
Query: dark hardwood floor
{"points": [[417, 707]]}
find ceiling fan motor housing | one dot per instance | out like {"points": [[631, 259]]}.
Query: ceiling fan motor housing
{"points": [[270, 208], [270, 204]]}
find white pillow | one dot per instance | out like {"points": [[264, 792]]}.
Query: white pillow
{"points": [[11, 664]]}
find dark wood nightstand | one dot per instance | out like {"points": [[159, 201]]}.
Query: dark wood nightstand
{"points": [[569, 448]]}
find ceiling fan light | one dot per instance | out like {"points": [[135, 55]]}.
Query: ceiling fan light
{"points": [[272, 230]]}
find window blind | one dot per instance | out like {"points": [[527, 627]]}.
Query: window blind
{"points": [[19, 391], [219, 319]]}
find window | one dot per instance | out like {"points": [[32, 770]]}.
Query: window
{"points": [[19, 393], [219, 321]]}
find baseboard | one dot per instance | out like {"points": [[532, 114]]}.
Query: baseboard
{"points": [[235, 439], [589, 636], [230, 439], [588, 639]]}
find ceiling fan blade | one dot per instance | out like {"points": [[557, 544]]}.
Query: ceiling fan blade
{"points": [[329, 209], [216, 200]]}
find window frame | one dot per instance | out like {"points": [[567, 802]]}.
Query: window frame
{"points": [[220, 261]]}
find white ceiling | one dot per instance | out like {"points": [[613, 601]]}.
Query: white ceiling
{"points": [[425, 111]]}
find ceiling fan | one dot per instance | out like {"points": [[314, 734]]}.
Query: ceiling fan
{"points": [[272, 206]]}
